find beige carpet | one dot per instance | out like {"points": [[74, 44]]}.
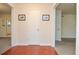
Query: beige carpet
{"points": [[4, 44], [65, 47]]}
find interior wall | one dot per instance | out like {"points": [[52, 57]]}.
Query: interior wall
{"points": [[68, 28], [33, 30]]}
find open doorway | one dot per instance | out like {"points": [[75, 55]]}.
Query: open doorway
{"points": [[65, 38], [5, 27]]}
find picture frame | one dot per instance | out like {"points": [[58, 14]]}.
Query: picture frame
{"points": [[21, 17], [45, 17]]}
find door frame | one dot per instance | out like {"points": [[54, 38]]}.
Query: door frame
{"points": [[12, 9], [57, 24], [77, 27]]}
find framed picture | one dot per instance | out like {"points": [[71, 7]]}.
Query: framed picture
{"points": [[21, 17], [45, 17]]}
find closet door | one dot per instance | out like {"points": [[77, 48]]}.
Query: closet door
{"points": [[33, 26]]}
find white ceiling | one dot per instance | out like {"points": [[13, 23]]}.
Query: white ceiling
{"points": [[68, 8], [5, 8]]}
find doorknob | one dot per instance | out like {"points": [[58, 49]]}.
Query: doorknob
{"points": [[38, 29]]}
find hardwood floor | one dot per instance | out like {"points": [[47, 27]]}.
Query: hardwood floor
{"points": [[31, 50]]}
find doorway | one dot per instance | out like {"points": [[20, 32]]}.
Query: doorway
{"points": [[5, 27], [65, 28]]}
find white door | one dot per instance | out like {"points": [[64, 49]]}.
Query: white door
{"points": [[33, 24], [58, 25]]}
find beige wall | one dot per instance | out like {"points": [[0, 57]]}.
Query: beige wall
{"points": [[68, 28], [33, 30]]}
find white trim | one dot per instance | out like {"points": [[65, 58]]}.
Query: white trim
{"points": [[77, 29], [11, 5], [12, 11], [55, 5], [53, 25]]}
